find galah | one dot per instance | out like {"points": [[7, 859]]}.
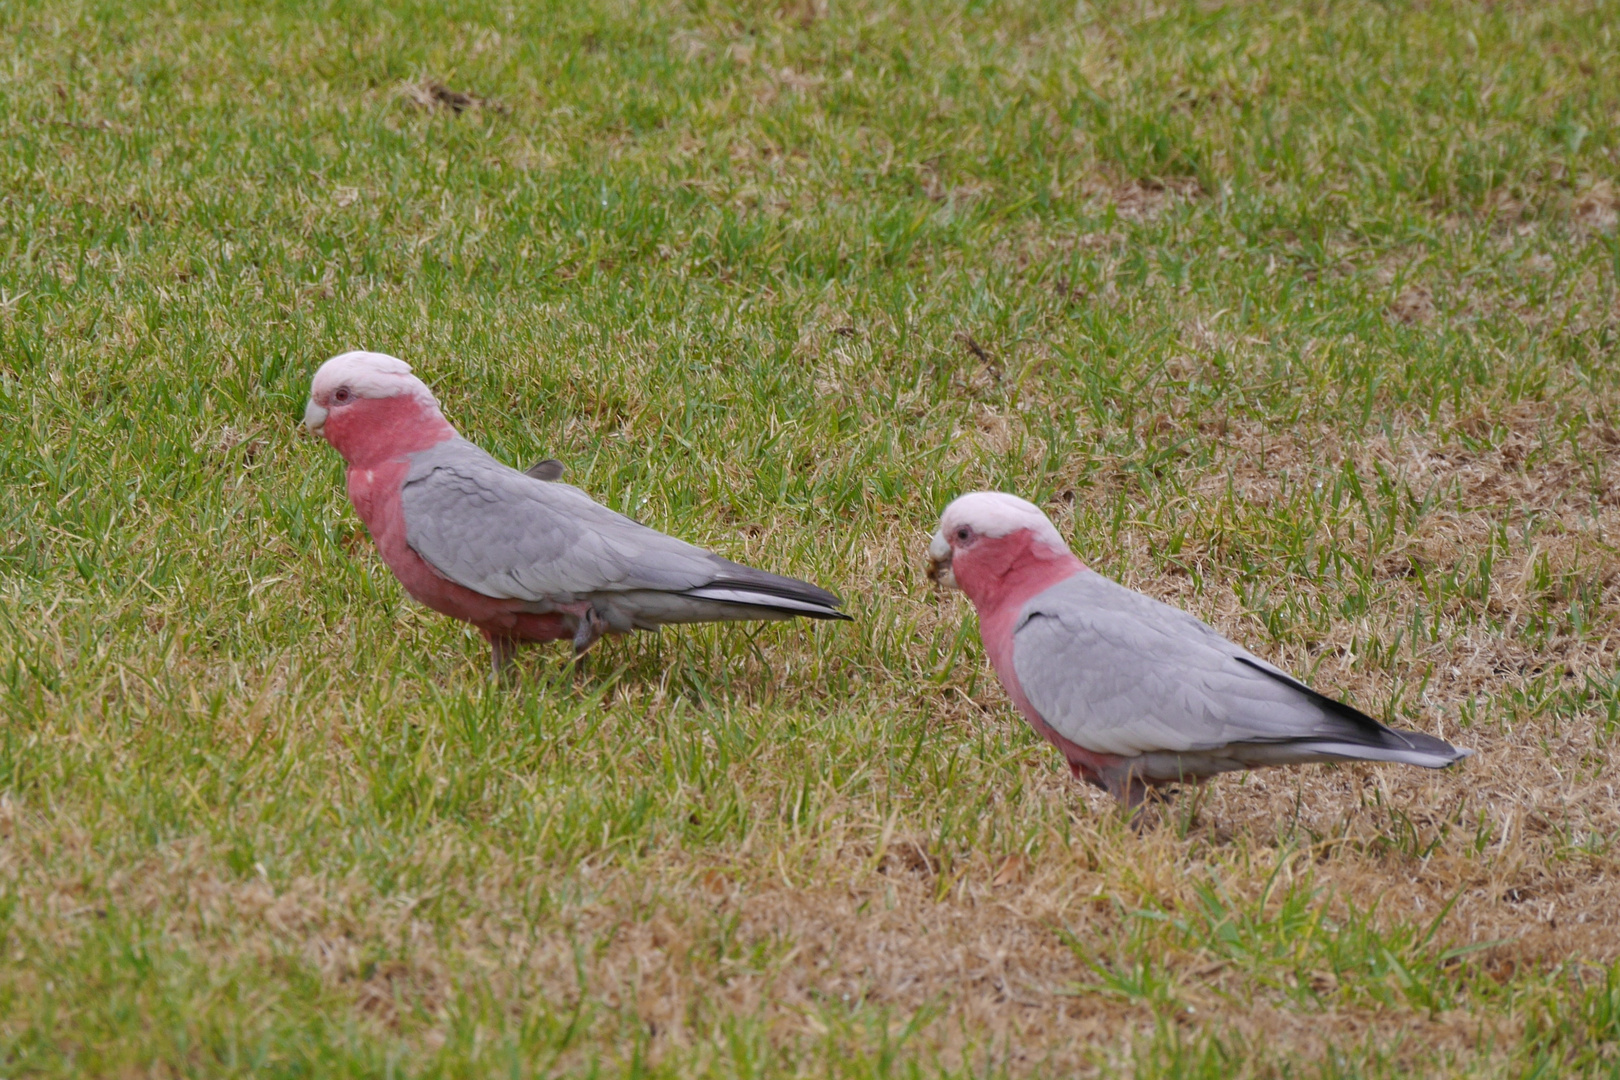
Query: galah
{"points": [[518, 555], [1136, 693]]}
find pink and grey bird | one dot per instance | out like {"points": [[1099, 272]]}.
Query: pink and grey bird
{"points": [[1136, 693], [519, 556]]}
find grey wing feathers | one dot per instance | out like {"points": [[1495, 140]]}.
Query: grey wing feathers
{"points": [[548, 470], [1120, 673], [1372, 740], [508, 535]]}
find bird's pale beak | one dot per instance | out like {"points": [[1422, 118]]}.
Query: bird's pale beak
{"points": [[314, 418], [939, 562]]}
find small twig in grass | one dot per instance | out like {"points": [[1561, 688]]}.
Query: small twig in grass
{"points": [[432, 95], [974, 347], [99, 125]]}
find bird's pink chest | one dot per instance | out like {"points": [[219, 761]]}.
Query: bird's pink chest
{"points": [[1000, 575], [1000, 578], [995, 630], [375, 493]]}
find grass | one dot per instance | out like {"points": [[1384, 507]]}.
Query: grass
{"points": [[1302, 316]]}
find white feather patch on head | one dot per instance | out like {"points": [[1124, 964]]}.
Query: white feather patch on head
{"points": [[370, 375], [996, 513]]}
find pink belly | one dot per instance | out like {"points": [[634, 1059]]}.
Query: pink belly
{"points": [[376, 498]]}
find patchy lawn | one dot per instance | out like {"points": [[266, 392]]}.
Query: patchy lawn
{"points": [[1300, 316]]}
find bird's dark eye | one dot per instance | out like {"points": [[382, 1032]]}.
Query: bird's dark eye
{"points": [[963, 533], [341, 395]]}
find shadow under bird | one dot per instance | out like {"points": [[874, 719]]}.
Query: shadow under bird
{"points": [[519, 555], [1136, 693]]}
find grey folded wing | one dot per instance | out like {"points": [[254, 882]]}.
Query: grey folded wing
{"points": [[1117, 672], [549, 469], [508, 535]]}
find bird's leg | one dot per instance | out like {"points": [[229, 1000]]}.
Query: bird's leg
{"points": [[1123, 783], [591, 627], [1136, 800], [1085, 773], [501, 651], [1132, 792]]}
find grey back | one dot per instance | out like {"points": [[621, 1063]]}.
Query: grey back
{"points": [[1117, 672], [501, 533]]}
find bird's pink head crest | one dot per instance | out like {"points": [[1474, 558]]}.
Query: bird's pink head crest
{"points": [[988, 515]]}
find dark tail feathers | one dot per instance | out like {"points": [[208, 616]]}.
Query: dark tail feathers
{"points": [[738, 584], [1363, 736]]}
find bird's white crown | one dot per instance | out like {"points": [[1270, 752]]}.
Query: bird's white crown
{"points": [[370, 375], [996, 513]]}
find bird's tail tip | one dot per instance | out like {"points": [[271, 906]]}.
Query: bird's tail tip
{"points": [[1427, 751], [1398, 747], [817, 605]]}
